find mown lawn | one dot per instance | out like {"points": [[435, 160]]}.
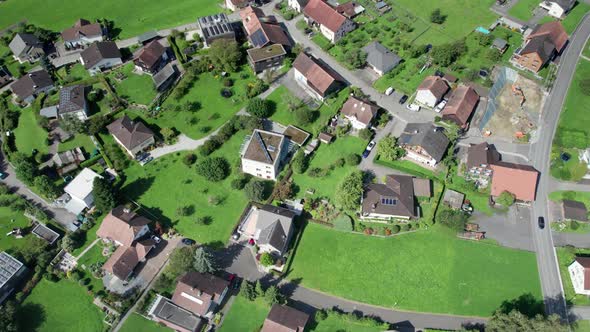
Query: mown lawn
{"points": [[167, 183], [429, 271], [138, 89], [131, 17], [136, 323], [245, 315], [571, 170], [29, 135], [79, 140], [8, 220], [76, 72], [61, 306], [586, 50], [523, 9], [566, 257]]}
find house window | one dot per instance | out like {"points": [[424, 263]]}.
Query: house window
{"points": [[388, 201]]}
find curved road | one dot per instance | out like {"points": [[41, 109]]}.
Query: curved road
{"points": [[540, 151]]}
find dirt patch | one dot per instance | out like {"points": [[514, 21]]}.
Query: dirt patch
{"points": [[515, 114]]}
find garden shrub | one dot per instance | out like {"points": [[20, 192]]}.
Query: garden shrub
{"points": [[266, 259], [339, 162], [395, 229], [405, 227], [213, 169], [353, 159], [343, 223], [574, 225]]}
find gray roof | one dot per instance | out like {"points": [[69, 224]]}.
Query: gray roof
{"points": [[163, 75], [380, 57], [395, 197], [565, 4], [30, 83], [49, 111], [454, 199], [9, 267], [166, 310], [98, 52], [275, 225], [130, 133], [21, 43], [215, 25], [72, 99], [147, 36], [499, 43], [426, 135]]}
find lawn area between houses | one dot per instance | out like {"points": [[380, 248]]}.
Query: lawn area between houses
{"points": [[167, 183], [131, 17], [136, 323], [428, 271], [8, 242], [565, 257], [61, 306], [523, 9], [79, 140], [28, 134], [135, 88]]}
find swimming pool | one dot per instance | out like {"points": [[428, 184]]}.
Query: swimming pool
{"points": [[483, 30]]}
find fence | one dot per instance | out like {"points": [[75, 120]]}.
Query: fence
{"points": [[506, 75]]}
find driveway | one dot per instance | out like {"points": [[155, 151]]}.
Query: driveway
{"points": [[511, 229], [577, 240]]}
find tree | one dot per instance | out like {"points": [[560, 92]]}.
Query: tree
{"points": [[168, 134], [204, 261], [300, 163], [506, 199], [437, 17], [104, 196], [266, 259], [353, 159], [181, 261], [304, 116], [72, 124], [273, 296], [69, 242], [453, 219], [247, 291], [96, 124], [213, 168], [515, 321], [388, 149], [365, 134], [493, 55], [46, 186], [255, 190], [446, 54], [225, 54], [25, 168], [349, 191], [259, 107], [355, 57], [283, 191], [47, 65], [8, 321]]}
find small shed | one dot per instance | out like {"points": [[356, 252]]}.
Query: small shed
{"points": [[382, 7], [296, 135], [450, 78], [453, 199], [49, 112], [574, 210], [422, 187], [45, 233], [500, 44], [309, 148], [148, 37], [326, 138]]}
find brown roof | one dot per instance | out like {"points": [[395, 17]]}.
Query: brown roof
{"points": [[82, 28], [574, 210], [319, 77], [124, 260], [461, 104], [520, 180], [422, 187], [264, 146], [99, 51], [151, 53], [554, 30], [347, 9], [298, 136], [267, 52], [324, 14], [585, 262], [30, 83], [122, 225], [450, 78], [436, 85], [256, 23], [130, 133], [195, 287], [482, 154], [395, 197], [282, 318], [325, 137], [364, 112]]}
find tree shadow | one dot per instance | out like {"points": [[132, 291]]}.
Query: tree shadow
{"points": [[31, 316], [527, 304], [135, 189], [227, 256]]}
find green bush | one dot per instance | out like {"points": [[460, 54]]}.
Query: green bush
{"points": [[343, 223], [405, 227], [395, 229], [574, 225], [353, 159], [266, 259]]}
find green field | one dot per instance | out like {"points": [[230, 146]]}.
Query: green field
{"points": [[136, 323], [61, 306], [523, 9], [79, 140], [29, 135], [167, 183], [245, 315], [132, 17], [9, 220], [566, 256], [137, 89], [430, 271]]}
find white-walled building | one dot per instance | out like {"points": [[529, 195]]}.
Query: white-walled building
{"points": [[263, 154], [580, 274], [332, 24], [82, 33], [557, 8], [80, 191], [100, 56], [271, 227], [297, 5], [359, 113], [133, 136], [431, 91]]}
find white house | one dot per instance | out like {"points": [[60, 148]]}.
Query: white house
{"points": [[557, 8], [580, 274], [269, 226], [82, 33], [263, 154], [359, 113], [297, 5], [332, 24], [101, 56], [80, 191], [431, 91]]}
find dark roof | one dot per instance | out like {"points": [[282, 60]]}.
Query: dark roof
{"points": [[99, 51], [380, 57], [273, 225], [461, 105], [264, 146], [205, 287], [565, 4], [5, 76], [482, 154], [147, 36], [267, 52], [30, 83], [9, 267], [262, 30], [319, 76], [554, 30], [124, 260], [167, 311], [130, 133], [163, 75], [45, 233], [364, 112], [296, 135], [82, 28], [541, 45], [499, 43], [22, 41], [282, 318], [72, 99], [215, 25], [574, 210], [395, 197], [151, 53], [324, 14], [348, 9], [426, 135]]}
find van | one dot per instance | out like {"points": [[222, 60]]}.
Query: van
{"points": [[389, 91]]}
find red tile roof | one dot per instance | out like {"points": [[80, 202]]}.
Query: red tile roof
{"points": [[82, 27], [436, 85], [520, 180], [253, 20], [461, 104], [319, 78], [555, 31], [195, 291], [151, 53], [121, 225], [364, 112], [324, 14]]}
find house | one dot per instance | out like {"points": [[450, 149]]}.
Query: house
{"points": [[284, 319], [461, 105], [315, 77], [297, 5], [82, 33], [519, 180], [74, 156], [359, 113], [214, 27], [325, 138], [5, 76], [164, 78], [101, 56], [72, 102], [557, 8], [45, 233], [263, 30], [270, 227], [540, 46], [574, 210], [264, 153], [128, 231], [380, 59], [350, 9], [332, 24], [28, 87], [166, 312], [431, 91], [382, 7], [11, 271], [80, 191], [580, 274], [480, 158], [500, 44], [152, 57], [424, 143], [393, 199], [26, 47], [296, 135], [133, 136], [266, 57], [453, 199], [200, 293], [234, 5]]}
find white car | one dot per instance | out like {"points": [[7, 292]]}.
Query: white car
{"points": [[389, 91], [413, 107], [440, 106], [156, 239]]}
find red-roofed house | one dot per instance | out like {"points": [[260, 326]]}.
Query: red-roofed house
{"points": [[461, 105], [332, 24], [580, 274], [152, 57], [200, 293], [263, 30], [541, 46], [431, 91], [82, 33], [519, 180], [315, 77]]}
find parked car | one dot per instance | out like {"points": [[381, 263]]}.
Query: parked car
{"points": [[541, 222], [156, 239], [440, 106], [403, 99], [188, 242], [368, 149], [146, 160], [413, 107], [3, 175], [389, 91]]}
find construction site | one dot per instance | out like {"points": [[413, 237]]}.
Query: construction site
{"points": [[514, 107]]}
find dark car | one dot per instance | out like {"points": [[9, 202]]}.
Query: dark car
{"points": [[403, 99], [541, 222], [3, 175], [188, 242]]}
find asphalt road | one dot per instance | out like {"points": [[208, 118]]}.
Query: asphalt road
{"points": [[540, 151]]}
